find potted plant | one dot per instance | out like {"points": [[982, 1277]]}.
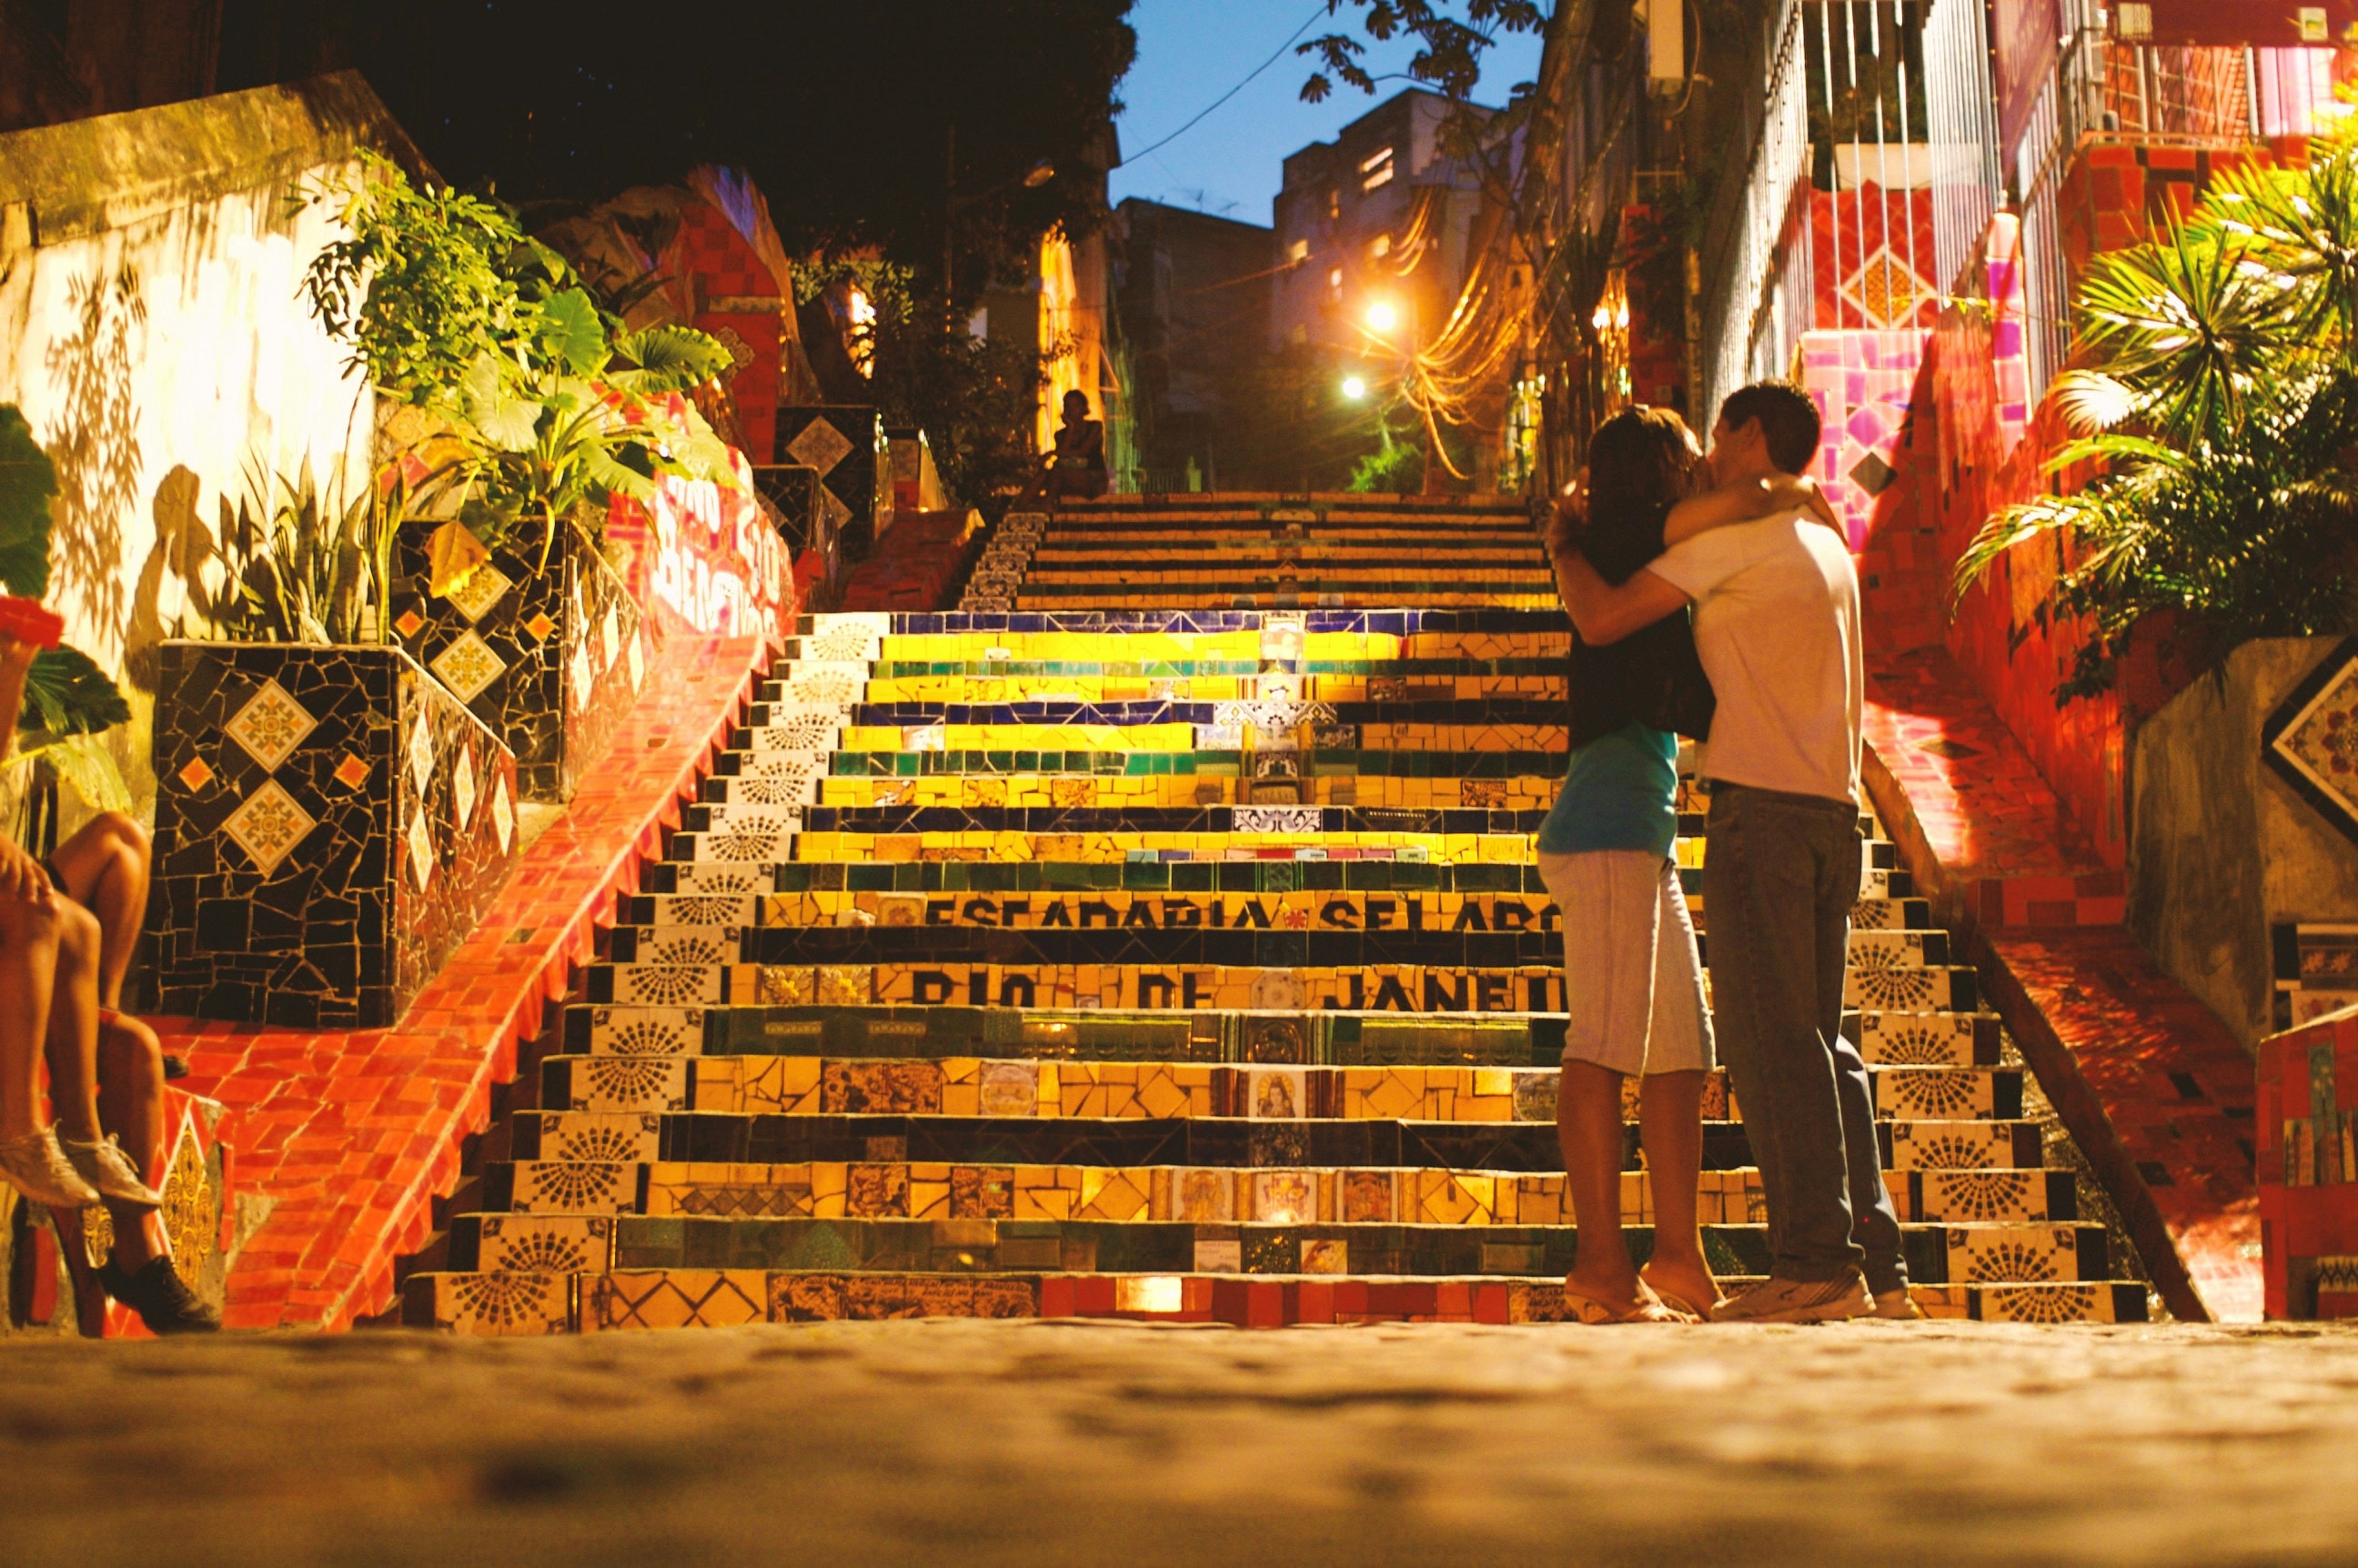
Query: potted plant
{"points": [[2220, 403], [331, 823], [533, 412]]}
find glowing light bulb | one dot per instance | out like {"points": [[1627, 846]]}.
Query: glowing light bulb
{"points": [[1382, 317], [1355, 387]]}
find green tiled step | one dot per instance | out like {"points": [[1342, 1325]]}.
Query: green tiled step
{"points": [[1320, 1039], [617, 1142], [968, 1085], [544, 1303], [1882, 930], [1935, 1254]]}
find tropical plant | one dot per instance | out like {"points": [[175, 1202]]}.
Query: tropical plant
{"points": [[449, 306], [69, 701], [303, 565], [2221, 404]]}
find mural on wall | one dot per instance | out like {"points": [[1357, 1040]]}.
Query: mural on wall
{"points": [[705, 559], [2311, 740]]}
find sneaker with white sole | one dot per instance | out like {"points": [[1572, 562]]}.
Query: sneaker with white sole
{"points": [[103, 1164], [1799, 1301], [1897, 1306], [36, 1167]]}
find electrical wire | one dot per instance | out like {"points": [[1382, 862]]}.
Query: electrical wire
{"points": [[1132, 157]]}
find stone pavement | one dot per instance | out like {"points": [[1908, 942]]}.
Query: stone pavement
{"points": [[1000, 1443]]}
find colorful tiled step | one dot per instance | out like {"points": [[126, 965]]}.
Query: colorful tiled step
{"points": [[543, 1303], [966, 1086], [1302, 1039], [882, 1125], [1882, 930]]}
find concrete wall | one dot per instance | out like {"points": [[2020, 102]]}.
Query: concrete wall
{"points": [[2220, 849], [151, 329]]}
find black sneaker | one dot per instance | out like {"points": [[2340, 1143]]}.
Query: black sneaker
{"points": [[163, 1302]]}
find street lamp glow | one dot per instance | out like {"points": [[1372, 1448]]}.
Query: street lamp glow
{"points": [[1355, 387], [1382, 317]]}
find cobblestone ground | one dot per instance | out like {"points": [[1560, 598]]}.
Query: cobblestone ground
{"points": [[1005, 1443]]}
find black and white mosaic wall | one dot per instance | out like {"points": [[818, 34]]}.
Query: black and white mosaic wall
{"points": [[330, 824], [550, 659], [845, 442]]}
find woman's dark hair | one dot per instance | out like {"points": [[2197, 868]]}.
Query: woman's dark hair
{"points": [[1077, 392], [1639, 458]]}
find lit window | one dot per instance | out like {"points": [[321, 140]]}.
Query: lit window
{"points": [[1381, 245], [1376, 169], [1334, 202], [1335, 280], [1297, 253]]}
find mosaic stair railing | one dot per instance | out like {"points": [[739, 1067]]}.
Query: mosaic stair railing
{"points": [[988, 981], [1195, 552]]}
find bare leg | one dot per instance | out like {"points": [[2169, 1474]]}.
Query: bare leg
{"points": [[28, 965], [73, 1025], [1669, 1125], [131, 1107], [104, 868], [1588, 1125]]}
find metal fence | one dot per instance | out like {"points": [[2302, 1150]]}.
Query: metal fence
{"points": [[1757, 265], [1961, 113]]}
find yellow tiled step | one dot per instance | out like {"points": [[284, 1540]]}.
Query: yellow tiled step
{"points": [[558, 1303]]}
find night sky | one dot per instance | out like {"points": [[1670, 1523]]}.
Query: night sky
{"points": [[1191, 51]]}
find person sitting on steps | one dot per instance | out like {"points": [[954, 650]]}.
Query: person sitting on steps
{"points": [[1076, 470], [1633, 985], [1776, 626], [66, 934]]}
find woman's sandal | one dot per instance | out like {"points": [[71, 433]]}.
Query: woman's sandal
{"points": [[1690, 1311], [1596, 1312]]}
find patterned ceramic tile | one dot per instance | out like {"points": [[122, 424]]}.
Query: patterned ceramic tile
{"points": [[271, 725], [267, 826], [468, 665]]}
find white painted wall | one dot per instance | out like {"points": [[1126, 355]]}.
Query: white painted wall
{"points": [[160, 363]]}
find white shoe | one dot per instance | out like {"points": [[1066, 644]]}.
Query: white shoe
{"points": [[36, 1167], [1897, 1306], [103, 1164]]}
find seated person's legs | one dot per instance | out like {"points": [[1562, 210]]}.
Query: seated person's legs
{"points": [[30, 1159], [131, 1105], [103, 867], [74, 1062]]}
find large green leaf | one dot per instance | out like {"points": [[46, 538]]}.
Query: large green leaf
{"points": [[67, 694], [504, 420], [666, 359], [28, 483], [571, 334]]}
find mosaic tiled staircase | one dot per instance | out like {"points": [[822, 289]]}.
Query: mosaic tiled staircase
{"points": [[1178, 965], [1245, 551]]}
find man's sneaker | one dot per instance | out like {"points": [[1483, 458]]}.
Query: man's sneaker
{"points": [[157, 1294], [1798, 1300], [103, 1164], [1898, 1306], [36, 1167]]}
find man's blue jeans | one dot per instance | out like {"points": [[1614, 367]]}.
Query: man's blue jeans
{"points": [[1780, 875]]}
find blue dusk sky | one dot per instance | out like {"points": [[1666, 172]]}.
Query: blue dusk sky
{"points": [[1191, 51]]}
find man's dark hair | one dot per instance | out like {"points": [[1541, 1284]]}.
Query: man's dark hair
{"points": [[1788, 418]]}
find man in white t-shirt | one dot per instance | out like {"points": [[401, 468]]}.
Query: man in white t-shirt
{"points": [[1776, 622]]}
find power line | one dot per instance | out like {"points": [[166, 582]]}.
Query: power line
{"points": [[1231, 92]]}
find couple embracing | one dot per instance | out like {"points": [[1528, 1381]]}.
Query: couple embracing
{"points": [[1766, 673]]}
